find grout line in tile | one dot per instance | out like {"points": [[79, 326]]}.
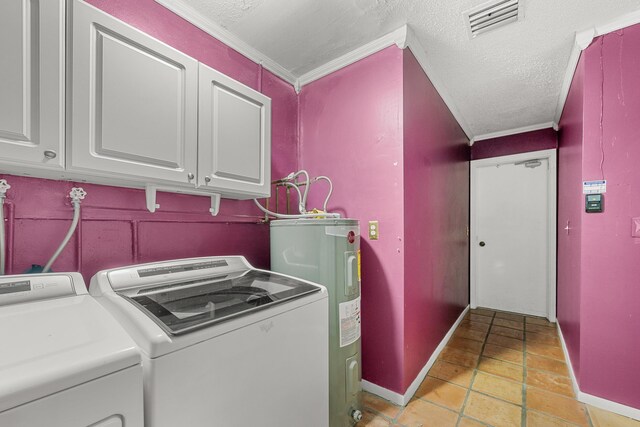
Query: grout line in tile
{"points": [[492, 396], [505, 361], [591, 423], [556, 418], [474, 419], [437, 404], [555, 394], [380, 414], [475, 372], [509, 327]]}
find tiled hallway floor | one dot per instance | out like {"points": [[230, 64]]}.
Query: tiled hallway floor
{"points": [[498, 369]]}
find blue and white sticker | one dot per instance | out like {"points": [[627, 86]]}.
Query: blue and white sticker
{"points": [[594, 187]]}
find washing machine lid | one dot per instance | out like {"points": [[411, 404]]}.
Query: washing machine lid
{"points": [[180, 307], [49, 345]]}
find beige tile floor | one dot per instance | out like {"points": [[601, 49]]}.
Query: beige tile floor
{"points": [[499, 369]]}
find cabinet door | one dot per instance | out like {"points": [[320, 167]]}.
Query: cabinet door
{"points": [[133, 105], [234, 151], [32, 83]]}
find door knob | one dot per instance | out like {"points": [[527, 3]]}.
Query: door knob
{"points": [[50, 154], [190, 176], [207, 179], [482, 244]]}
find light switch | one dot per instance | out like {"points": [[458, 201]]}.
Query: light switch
{"points": [[373, 230], [635, 227]]}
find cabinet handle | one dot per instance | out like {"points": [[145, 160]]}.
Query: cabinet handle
{"points": [[207, 179], [190, 176], [50, 154]]}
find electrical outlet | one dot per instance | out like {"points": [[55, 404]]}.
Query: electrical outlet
{"points": [[373, 230]]}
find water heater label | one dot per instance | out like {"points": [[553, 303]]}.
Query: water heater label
{"points": [[349, 322]]}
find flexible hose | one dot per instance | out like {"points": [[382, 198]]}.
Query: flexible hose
{"points": [[295, 216], [74, 224], [2, 237], [303, 202], [326, 201], [301, 207]]}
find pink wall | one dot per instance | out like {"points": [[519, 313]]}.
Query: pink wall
{"points": [[525, 142], [609, 292], [436, 214], [379, 129], [116, 229], [610, 339], [351, 130], [570, 208]]}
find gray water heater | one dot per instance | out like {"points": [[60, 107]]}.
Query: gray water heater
{"points": [[327, 251]]}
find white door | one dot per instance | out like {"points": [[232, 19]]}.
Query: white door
{"points": [[32, 83], [513, 229], [134, 102], [234, 151]]}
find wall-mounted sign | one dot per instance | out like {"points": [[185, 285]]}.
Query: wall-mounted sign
{"points": [[594, 187]]}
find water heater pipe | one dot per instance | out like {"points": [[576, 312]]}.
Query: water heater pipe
{"points": [[296, 216], [291, 181], [326, 201]]}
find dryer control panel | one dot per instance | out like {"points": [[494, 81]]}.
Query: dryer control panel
{"points": [[35, 287]]}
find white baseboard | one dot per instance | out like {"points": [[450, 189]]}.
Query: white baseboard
{"points": [[574, 380], [403, 399], [609, 405], [384, 393], [589, 399]]}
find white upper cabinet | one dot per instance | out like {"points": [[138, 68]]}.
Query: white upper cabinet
{"points": [[133, 103], [32, 84], [234, 151]]}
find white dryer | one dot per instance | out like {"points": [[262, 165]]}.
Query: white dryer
{"points": [[64, 361], [222, 343]]}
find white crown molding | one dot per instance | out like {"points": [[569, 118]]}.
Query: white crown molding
{"points": [[514, 131], [598, 402], [397, 37], [404, 38], [225, 36], [622, 21], [582, 41], [420, 54]]}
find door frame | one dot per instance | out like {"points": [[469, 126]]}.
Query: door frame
{"points": [[551, 156]]}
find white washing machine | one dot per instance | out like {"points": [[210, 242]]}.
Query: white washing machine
{"points": [[222, 343], [64, 361]]}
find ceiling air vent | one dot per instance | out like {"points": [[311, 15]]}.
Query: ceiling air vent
{"points": [[489, 16]]}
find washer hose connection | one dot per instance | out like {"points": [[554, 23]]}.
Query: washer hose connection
{"points": [[77, 194], [4, 186]]}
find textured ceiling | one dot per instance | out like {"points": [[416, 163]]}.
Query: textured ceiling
{"points": [[504, 79]]}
